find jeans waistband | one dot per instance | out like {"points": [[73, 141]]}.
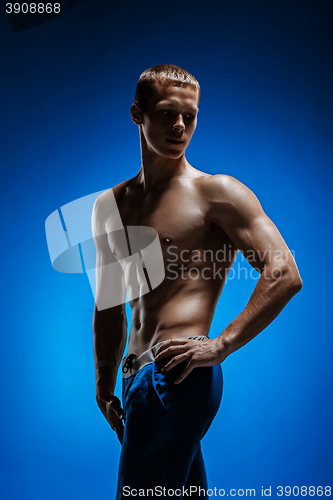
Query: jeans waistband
{"points": [[131, 363]]}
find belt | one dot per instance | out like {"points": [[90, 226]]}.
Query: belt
{"points": [[132, 363]]}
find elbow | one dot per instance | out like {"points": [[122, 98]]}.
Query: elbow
{"points": [[293, 280], [288, 276], [296, 284]]}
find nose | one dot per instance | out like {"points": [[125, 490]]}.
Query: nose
{"points": [[179, 124]]}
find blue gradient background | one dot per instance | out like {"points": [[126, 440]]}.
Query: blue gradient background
{"points": [[265, 69]]}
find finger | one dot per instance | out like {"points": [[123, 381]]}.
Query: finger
{"points": [[115, 406], [170, 342], [113, 419], [119, 428], [184, 373], [170, 351], [175, 361], [120, 413], [120, 436]]}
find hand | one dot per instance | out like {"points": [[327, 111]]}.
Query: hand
{"points": [[194, 352], [113, 413]]}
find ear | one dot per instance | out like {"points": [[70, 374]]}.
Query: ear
{"points": [[136, 114]]}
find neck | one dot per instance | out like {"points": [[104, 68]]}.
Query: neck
{"points": [[155, 168]]}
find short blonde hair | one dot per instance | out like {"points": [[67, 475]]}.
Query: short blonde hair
{"points": [[167, 74]]}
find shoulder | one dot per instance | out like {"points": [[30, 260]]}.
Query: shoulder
{"points": [[223, 184], [106, 205], [111, 196], [225, 189], [229, 201], [115, 192]]}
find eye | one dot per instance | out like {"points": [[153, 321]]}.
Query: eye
{"points": [[166, 112], [190, 116]]}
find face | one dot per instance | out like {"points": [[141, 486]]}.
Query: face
{"points": [[169, 120]]}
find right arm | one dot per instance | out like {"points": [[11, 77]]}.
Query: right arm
{"points": [[109, 322]]}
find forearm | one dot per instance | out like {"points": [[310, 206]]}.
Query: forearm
{"points": [[109, 339], [268, 299]]}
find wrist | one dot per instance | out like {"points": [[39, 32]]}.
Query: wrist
{"points": [[104, 362], [104, 392], [105, 382], [225, 344]]}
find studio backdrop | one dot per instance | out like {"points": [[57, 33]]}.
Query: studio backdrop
{"points": [[265, 118]]}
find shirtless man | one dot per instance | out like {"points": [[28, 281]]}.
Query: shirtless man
{"points": [[172, 382]]}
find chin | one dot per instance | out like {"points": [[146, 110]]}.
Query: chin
{"points": [[173, 154]]}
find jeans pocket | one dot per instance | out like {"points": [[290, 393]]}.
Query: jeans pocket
{"points": [[159, 384]]}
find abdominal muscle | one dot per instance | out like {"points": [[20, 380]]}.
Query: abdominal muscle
{"points": [[183, 309]]}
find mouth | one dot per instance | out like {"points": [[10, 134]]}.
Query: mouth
{"points": [[174, 141]]}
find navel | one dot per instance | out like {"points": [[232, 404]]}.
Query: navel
{"points": [[167, 240]]}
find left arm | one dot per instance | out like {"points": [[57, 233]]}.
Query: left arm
{"points": [[255, 235], [237, 210]]}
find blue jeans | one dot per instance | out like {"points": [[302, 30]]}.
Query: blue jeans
{"points": [[164, 424]]}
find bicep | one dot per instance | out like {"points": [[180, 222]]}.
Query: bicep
{"points": [[251, 230], [260, 242]]}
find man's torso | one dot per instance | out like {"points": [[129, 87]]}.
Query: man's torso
{"points": [[197, 255]]}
